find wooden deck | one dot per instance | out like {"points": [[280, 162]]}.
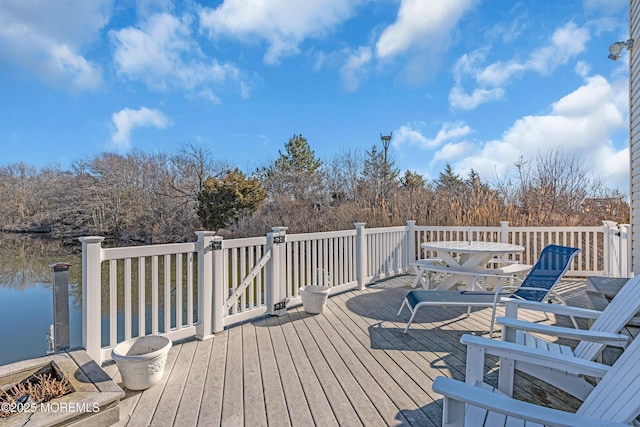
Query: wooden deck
{"points": [[351, 365]]}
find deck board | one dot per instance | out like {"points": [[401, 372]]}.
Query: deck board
{"points": [[297, 407], [316, 399], [275, 400], [189, 404], [351, 355], [173, 392], [351, 365], [148, 402], [391, 395], [339, 362], [211, 402], [254, 408], [336, 397], [232, 399], [416, 390]]}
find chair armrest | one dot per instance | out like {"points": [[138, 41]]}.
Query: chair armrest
{"points": [[552, 308], [496, 402], [608, 338], [537, 357]]}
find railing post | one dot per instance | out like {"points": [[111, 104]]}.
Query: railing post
{"points": [[361, 255], [205, 284], [276, 284], [91, 291], [609, 229], [411, 244], [504, 231], [219, 294], [625, 250]]}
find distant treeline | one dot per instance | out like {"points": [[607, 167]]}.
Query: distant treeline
{"points": [[155, 198]]}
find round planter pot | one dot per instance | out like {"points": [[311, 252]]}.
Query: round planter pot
{"points": [[141, 360], [314, 298]]}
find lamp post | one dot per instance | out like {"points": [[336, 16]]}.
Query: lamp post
{"points": [[386, 139]]}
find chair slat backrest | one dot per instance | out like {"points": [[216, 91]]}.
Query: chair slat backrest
{"points": [[617, 395], [553, 263], [614, 317]]}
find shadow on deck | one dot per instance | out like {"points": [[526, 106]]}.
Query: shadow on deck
{"points": [[350, 365]]}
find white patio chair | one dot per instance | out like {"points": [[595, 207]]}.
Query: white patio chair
{"points": [[604, 331], [615, 401]]}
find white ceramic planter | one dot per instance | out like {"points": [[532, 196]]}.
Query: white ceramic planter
{"points": [[141, 360], [314, 298]]}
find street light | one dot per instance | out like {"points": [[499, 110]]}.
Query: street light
{"points": [[616, 48], [386, 139]]}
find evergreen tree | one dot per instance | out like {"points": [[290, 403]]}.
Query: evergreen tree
{"points": [[296, 174], [412, 181], [449, 181], [223, 201], [380, 175]]}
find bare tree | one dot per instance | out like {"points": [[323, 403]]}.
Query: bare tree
{"points": [[343, 173], [551, 191]]}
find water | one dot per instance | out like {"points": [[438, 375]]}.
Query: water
{"points": [[26, 301], [26, 298]]}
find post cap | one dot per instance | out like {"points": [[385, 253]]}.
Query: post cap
{"points": [[60, 266]]}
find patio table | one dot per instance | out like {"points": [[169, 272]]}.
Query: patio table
{"points": [[464, 259]]}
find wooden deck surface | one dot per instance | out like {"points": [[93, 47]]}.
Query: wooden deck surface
{"points": [[350, 365]]}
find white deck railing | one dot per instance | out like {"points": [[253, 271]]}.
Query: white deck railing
{"points": [[196, 289]]}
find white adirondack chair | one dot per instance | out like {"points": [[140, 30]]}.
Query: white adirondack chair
{"points": [[604, 331], [615, 401]]}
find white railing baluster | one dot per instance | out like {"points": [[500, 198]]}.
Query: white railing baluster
{"points": [[315, 264], [190, 289], [113, 302], [251, 290], [333, 273], [154, 294], [179, 291], [297, 271], [167, 293], [342, 261], [127, 299], [215, 288], [141, 297], [361, 254]]}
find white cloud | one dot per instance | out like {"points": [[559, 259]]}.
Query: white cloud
{"points": [[566, 43], [126, 120], [355, 67], [163, 54], [47, 38], [284, 24], [454, 151], [607, 6], [580, 125], [421, 23], [458, 99], [407, 135]]}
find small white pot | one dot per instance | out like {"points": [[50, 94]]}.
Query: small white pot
{"points": [[141, 360], [314, 298]]}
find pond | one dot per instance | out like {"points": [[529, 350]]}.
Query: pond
{"points": [[26, 301]]}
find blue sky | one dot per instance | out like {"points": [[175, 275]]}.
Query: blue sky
{"points": [[477, 84]]}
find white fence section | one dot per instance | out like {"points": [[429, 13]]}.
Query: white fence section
{"points": [[196, 289]]}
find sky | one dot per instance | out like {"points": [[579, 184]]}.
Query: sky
{"points": [[476, 84]]}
